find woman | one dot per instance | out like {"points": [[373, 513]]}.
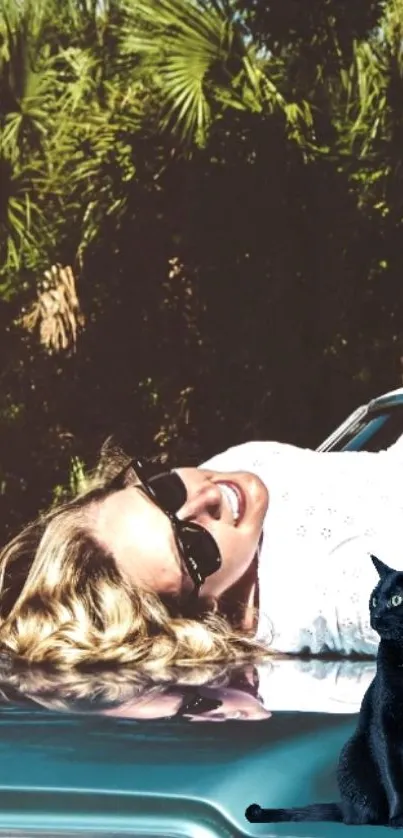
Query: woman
{"points": [[203, 693], [213, 693], [264, 548]]}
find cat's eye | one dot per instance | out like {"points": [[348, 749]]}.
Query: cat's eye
{"points": [[374, 602], [396, 599]]}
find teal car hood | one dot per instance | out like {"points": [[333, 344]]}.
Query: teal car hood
{"points": [[107, 776]]}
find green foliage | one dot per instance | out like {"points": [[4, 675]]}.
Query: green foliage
{"points": [[28, 96], [223, 179], [196, 59]]}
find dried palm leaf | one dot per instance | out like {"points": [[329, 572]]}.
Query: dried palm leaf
{"points": [[56, 313]]}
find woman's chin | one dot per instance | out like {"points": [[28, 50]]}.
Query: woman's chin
{"points": [[257, 503], [262, 498], [236, 598]]}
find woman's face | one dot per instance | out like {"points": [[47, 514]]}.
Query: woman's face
{"points": [[140, 537], [235, 704]]}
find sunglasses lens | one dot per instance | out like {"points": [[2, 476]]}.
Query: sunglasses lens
{"points": [[198, 705], [170, 491], [200, 546]]}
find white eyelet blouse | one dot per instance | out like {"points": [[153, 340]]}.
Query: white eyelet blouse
{"points": [[327, 513]]}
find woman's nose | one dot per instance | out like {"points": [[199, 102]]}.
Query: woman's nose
{"points": [[204, 500]]}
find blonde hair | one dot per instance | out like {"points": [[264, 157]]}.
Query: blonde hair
{"points": [[77, 690], [64, 602]]}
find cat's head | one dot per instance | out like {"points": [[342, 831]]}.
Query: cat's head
{"points": [[386, 602]]}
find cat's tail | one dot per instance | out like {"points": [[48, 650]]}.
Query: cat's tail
{"points": [[314, 812]]}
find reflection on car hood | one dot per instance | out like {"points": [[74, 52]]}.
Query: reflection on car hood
{"points": [[63, 772]]}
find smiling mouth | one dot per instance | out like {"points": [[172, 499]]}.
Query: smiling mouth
{"points": [[235, 499]]}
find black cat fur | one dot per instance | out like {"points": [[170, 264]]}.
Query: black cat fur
{"points": [[370, 768]]}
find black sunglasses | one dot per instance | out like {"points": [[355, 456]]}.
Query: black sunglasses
{"points": [[197, 548], [196, 704]]}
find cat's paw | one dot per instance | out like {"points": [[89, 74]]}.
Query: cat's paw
{"points": [[253, 813]]}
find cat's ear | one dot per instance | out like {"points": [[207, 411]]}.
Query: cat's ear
{"points": [[381, 568]]}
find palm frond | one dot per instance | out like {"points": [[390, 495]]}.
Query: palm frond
{"points": [[195, 55], [28, 104]]}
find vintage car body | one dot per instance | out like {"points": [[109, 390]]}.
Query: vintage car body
{"points": [[64, 774], [371, 427]]}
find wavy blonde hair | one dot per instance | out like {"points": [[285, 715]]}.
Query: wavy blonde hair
{"points": [[77, 690], [64, 602]]}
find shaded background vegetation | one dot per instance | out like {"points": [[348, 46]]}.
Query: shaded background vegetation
{"points": [[201, 206]]}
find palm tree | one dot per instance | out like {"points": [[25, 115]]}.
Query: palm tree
{"points": [[62, 157], [199, 60], [370, 124], [28, 101]]}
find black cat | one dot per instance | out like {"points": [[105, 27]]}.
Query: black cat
{"points": [[370, 768]]}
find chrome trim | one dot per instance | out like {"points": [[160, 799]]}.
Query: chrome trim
{"points": [[347, 425], [388, 401]]}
